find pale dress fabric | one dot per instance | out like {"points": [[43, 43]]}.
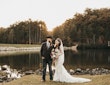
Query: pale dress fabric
{"points": [[61, 74]]}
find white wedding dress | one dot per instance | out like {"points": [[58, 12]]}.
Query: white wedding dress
{"points": [[61, 74]]}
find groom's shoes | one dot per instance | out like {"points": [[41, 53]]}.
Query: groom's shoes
{"points": [[51, 80]]}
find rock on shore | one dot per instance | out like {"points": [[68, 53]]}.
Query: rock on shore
{"points": [[8, 74], [79, 71], [95, 71]]}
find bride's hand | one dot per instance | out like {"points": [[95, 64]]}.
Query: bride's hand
{"points": [[55, 45]]}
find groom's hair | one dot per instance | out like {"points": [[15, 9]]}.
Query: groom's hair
{"points": [[49, 37]]}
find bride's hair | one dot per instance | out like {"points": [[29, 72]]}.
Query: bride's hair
{"points": [[59, 40]]}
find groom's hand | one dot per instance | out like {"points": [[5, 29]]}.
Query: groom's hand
{"points": [[43, 57]]}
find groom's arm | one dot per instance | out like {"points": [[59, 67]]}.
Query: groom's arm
{"points": [[53, 46], [41, 51]]}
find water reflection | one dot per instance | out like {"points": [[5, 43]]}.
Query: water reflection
{"points": [[82, 59], [23, 61], [87, 59]]}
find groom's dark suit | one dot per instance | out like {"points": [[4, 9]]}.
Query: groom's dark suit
{"points": [[46, 53]]}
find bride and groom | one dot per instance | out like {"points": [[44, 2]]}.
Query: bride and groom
{"points": [[55, 53]]}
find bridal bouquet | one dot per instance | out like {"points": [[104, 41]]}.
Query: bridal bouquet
{"points": [[54, 55]]}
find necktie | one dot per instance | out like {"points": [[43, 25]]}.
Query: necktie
{"points": [[48, 45]]}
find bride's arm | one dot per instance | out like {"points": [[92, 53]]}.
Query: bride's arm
{"points": [[60, 52]]}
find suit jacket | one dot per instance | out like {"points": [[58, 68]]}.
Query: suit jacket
{"points": [[45, 51]]}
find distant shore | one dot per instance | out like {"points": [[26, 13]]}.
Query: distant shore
{"points": [[92, 46], [27, 47], [19, 47], [35, 47]]}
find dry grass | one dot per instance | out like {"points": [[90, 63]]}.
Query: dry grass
{"points": [[36, 80]]}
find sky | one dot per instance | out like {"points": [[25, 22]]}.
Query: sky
{"points": [[52, 12]]}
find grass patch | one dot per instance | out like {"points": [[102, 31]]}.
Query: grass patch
{"points": [[36, 80]]}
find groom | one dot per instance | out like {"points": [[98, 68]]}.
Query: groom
{"points": [[46, 49]]}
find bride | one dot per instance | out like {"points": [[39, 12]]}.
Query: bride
{"points": [[61, 74]]}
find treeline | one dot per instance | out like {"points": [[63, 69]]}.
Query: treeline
{"points": [[24, 32], [90, 28]]}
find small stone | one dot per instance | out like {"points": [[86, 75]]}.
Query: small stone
{"points": [[4, 78], [4, 67], [1, 80], [39, 71], [29, 72], [87, 71], [9, 79], [72, 71], [78, 70]]}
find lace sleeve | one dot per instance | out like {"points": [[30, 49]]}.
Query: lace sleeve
{"points": [[60, 52]]}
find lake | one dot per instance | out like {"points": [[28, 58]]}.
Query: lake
{"points": [[81, 59]]}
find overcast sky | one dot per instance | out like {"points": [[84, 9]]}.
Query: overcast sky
{"points": [[53, 12]]}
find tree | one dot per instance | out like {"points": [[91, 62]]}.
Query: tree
{"points": [[91, 27], [24, 32]]}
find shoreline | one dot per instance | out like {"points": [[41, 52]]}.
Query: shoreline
{"points": [[8, 74], [17, 51], [92, 46], [35, 47], [4, 51], [18, 48]]}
